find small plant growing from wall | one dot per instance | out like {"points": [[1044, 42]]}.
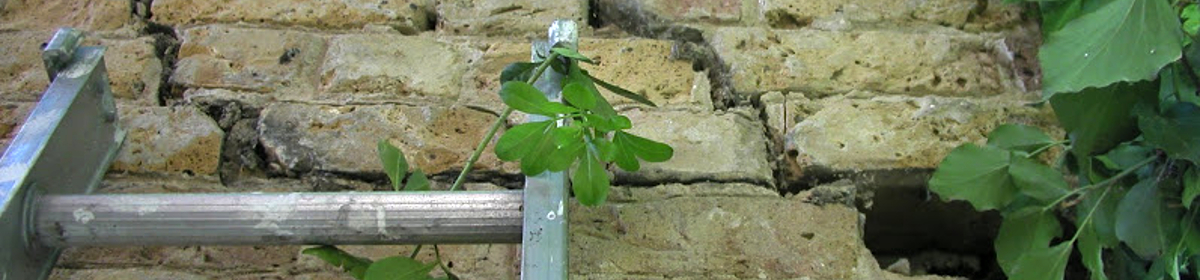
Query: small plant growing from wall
{"points": [[1121, 76], [591, 137]]}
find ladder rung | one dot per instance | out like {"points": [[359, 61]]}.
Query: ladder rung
{"points": [[279, 218]]}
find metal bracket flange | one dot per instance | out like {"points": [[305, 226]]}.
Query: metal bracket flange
{"points": [[64, 147]]}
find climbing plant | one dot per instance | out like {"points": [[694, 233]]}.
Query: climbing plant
{"points": [[584, 134], [1121, 77]]}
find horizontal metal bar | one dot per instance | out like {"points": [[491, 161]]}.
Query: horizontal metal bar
{"points": [[279, 218]]}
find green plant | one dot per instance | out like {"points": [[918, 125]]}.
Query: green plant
{"points": [[591, 136], [1120, 76]]}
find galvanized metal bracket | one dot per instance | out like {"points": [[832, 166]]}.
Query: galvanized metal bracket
{"points": [[64, 147], [545, 234]]}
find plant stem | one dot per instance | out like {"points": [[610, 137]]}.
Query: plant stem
{"points": [[415, 251], [1108, 181], [1046, 147], [1092, 212], [462, 176]]}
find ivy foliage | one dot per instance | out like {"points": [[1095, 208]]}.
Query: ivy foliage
{"points": [[1121, 76]]}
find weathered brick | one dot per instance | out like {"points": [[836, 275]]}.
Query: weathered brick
{"points": [[714, 146], [259, 60], [384, 67], [470, 261], [115, 182], [12, 115], [21, 65], [481, 82], [202, 257], [797, 13], [302, 138], [507, 17], [645, 67], [407, 16], [168, 140], [707, 233], [707, 11], [92, 15], [124, 273], [931, 62], [133, 68], [888, 133], [640, 65]]}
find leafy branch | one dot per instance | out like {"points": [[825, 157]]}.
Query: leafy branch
{"points": [[1117, 74], [584, 132]]}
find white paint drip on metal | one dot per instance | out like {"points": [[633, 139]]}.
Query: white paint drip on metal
{"points": [[83, 216], [381, 220], [276, 211], [140, 206]]}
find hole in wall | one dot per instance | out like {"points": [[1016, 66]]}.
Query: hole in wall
{"points": [[911, 231]]}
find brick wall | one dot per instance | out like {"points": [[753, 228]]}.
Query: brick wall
{"points": [[762, 100]]}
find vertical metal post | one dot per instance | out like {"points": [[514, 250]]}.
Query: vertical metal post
{"points": [[544, 234]]}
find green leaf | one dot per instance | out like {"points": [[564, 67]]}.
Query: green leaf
{"points": [[525, 98], [1125, 156], [1043, 263], [520, 140], [630, 147], [1191, 188], [518, 71], [1104, 219], [577, 76], [1175, 86], [1177, 132], [1025, 231], [646, 149], [1191, 19], [1097, 119], [1138, 217], [1056, 14], [1036, 179], [608, 151], [1191, 237], [1017, 137], [356, 266], [399, 268], [569, 143], [564, 156], [590, 181], [579, 96], [537, 161], [1126, 40], [976, 174], [1091, 252], [394, 164], [572, 54], [417, 181], [620, 91], [564, 135]]}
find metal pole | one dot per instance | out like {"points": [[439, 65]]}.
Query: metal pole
{"points": [[544, 238], [279, 218]]}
